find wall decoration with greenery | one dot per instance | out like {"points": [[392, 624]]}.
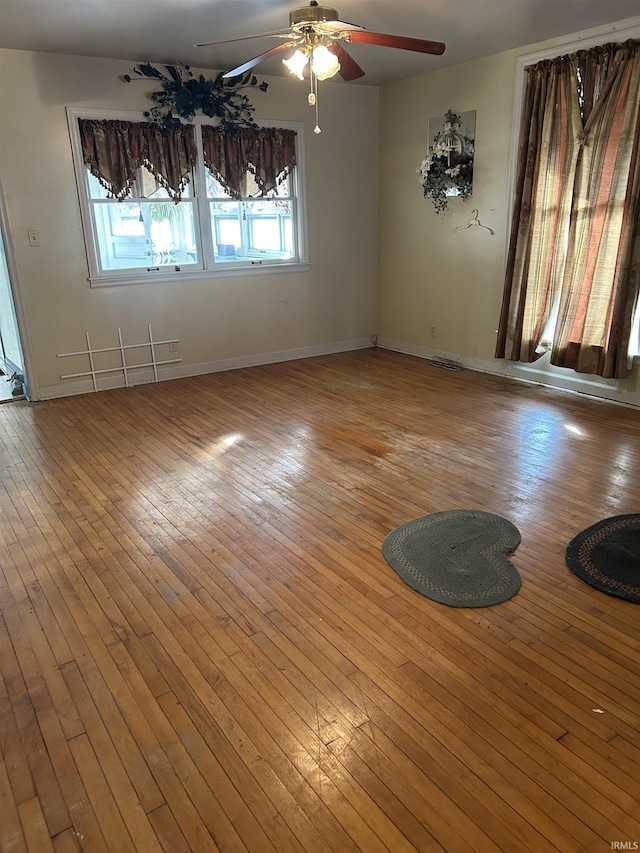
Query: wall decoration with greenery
{"points": [[183, 95], [447, 170]]}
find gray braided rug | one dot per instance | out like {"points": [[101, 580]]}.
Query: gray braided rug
{"points": [[607, 556], [458, 557]]}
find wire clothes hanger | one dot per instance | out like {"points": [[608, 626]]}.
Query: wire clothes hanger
{"points": [[475, 221]]}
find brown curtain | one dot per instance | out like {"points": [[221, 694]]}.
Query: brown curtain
{"points": [[115, 150], [267, 152], [599, 291], [575, 221]]}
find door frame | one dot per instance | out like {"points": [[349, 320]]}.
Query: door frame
{"points": [[31, 385]]}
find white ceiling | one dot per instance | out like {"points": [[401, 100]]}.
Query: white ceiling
{"points": [[164, 31]]}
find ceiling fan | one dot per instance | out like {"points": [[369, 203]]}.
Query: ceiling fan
{"points": [[315, 34]]}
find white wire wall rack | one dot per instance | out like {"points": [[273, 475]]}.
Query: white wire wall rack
{"points": [[124, 367]]}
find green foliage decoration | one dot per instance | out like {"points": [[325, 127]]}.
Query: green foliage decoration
{"points": [[183, 95], [447, 170]]}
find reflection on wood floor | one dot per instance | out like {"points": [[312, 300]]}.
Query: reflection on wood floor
{"points": [[202, 647]]}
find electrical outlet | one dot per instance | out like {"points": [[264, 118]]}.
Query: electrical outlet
{"points": [[33, 236], [173, 346], [433, 331]]}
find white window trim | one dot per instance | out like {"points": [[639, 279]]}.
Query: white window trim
{"points": [[97, 279]]}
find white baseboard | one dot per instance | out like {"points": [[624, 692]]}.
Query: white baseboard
{"points": [[182, 371], [606, 389]]}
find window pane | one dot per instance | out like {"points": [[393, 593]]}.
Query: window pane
{"points": [[270, 228], [264, 233], [145, 234], [172, 232], [250, 188], [95, 188], [283, 190], [215, 188], [226, 230], [252, 230]]}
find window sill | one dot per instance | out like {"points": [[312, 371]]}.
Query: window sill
{"points": [[171, 277]]}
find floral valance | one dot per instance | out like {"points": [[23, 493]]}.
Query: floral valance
{"points": [[269, 153], [115, 150]]}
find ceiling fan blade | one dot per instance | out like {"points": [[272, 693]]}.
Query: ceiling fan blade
{"points": [[251, 63], [401, 42], [278, 35], [337, 26], [349, 68]]}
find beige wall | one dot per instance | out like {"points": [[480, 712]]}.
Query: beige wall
{"points": [[380, 263], [222, 321], [430, 274]]}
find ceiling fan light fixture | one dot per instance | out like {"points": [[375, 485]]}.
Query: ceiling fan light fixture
{"points": [[297, 63], [315, 34], [324, 64]]}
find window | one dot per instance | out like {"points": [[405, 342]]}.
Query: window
{"points": [[571, 281], [253, 229], [146, 230], [145, 235]]}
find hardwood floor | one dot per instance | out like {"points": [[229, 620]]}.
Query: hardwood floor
{"points": [[202, 647]]}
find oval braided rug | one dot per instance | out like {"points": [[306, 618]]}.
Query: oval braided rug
{"points": [[607, 556], [457, 557]]}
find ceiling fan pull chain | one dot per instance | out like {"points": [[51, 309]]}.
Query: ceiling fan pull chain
{"points": [[313, 98], [312, 94]]}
